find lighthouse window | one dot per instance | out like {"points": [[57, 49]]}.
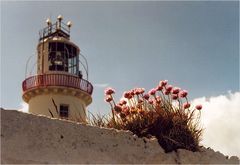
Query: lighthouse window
{"points": [[74, 51], [63, 57], [57, 61], [63, 110], [60, 46], [57, 57], [52, 46], [72, 65], [69, 49]]}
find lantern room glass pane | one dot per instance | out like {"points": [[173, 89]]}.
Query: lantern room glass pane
{"points": [[72, 65], [74, 51], [52, 46], [60, 46], [63, 57], [69, 48]]}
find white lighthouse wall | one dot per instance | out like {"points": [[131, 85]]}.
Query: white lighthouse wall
{"points": [[41, 104]]}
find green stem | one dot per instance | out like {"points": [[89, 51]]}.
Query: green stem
{"points": [[113, 114], [113, 100]]}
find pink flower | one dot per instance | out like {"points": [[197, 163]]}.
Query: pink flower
{"points": [[139, 91], [152, 91], [108, 99], [146, 96], [198, 107], [130, 96], [166, 92], [183, 93], [186, 105], [174, 96], [136, 91], [150, 101], [169, 88], [123, 101], [127, 95], [159, 88], [109, 91], [158, 99], [132, 93], [140, 100], [163, 83], [118, 108], [176, 90], [126, 110]]}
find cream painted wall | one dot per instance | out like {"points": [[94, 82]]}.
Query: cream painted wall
{"points": [[41, 104]]}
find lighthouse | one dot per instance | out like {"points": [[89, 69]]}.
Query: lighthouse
{"points": [[59, 88]]}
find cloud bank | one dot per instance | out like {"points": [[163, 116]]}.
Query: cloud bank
{"points": [[221, 120], [24, 107]]}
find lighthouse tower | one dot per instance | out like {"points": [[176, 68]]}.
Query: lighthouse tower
{"points": [[58, 89]]}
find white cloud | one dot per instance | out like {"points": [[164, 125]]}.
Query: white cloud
{"points": [[221, 120], [24, 107], [104, 85]]}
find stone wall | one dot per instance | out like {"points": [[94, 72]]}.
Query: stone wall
{"points": [[27, 138]]}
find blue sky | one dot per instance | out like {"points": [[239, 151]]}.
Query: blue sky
{"points": [[194, 45]]}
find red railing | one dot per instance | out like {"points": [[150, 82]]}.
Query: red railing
{"points": [[57, 80]]}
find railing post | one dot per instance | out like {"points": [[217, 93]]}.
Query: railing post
{"points": [[47, 80], [41, 79], [53, 79], [57, 79], [63, 80]]}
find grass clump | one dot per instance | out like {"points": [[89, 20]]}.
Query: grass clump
{"points": [[163, 112]]}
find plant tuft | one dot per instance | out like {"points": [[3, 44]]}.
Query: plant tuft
{"points": [[163, 112]]}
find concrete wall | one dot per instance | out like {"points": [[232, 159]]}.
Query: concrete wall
{"points": [[27, 138]]}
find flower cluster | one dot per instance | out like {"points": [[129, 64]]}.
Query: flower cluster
{"points": [[138, 102], [141, 111]]}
